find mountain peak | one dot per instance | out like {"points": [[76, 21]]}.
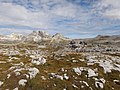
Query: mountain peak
{"points": [[41, 33], [58, 35], [37, 36]]}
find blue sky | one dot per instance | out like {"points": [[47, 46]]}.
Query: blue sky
{"points": [[72, 18]]}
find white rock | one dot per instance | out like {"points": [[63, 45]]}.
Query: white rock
{"points": [[33, 72], [107, 66], [74, 61], [81, 60], [64, 89], [53, 74], [99, 84], [2, 62], [77, 71], [60, 77], [116, 80], [74, 86], [66, 77], [91, 73], [17, 73], [1, 83], [62, 69], [27, 76], [43, 77], [82, 86], [90, 88], [8, 76], [55, 85], [19, 64], [90, 63], [57, 76], [15, 88], [85, 83], [103, 80], [22, 82], [18, 70], [39, 61]]}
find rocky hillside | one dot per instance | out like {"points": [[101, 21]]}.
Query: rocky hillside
{"points": [[45, 62], [34, 37], [97, 44], [37, 36], [32, 67]]}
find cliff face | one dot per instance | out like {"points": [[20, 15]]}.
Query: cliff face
{"points": [[37, 36]]}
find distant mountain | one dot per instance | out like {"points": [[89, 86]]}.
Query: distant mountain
{"points": [[34, 37], [38, 36], [1, 36], [15, 36], [11, 37], [107, 37], [58, 37], [99, 43]]}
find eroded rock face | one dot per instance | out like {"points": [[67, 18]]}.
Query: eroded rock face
{"points": [[38, 36]]}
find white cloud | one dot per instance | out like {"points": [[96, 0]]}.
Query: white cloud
{"points": [[114, 13], [114, 3], [11, 14], [56, 15], [66, 11], [18, 15], [113, 8]]}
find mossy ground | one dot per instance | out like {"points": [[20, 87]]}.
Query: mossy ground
{"points": [[54, 65]]}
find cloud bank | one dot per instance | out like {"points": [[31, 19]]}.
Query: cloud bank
{"points": [[73, 18]]}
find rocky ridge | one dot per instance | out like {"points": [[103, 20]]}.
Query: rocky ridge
{"points": [[35, 36]]}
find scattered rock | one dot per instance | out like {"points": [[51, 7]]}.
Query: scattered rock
{"points": [[22, 82]]}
